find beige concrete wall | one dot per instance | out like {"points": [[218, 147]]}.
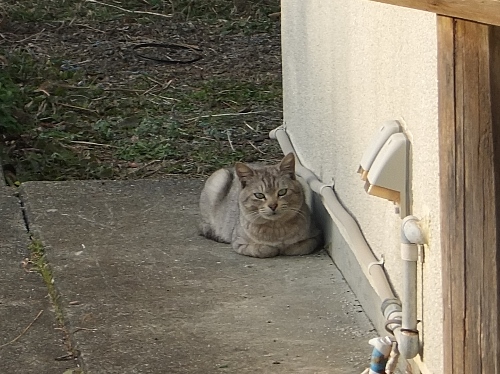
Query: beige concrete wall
{"points": [[349, 66]]}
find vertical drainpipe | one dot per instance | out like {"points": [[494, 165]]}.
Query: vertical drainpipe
{"points": [[411, 237]]}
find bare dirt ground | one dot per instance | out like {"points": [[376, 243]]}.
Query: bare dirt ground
{"points": [[83, 101]]}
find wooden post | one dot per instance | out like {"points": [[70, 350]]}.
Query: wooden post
{"points": [[484, 11], [469, 132]]}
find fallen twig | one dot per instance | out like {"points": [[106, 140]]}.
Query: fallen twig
{"points": [[22, 40], [226, 115], [78, 107], [153, 80], [24, 331], [121, 89], [250, 127], [164, 97], [197, 136], [229, 140], [149, 90], [166, 85], [150, 173], [31, 36], [92, 143], [92, 28], [130, 11], [69, 86], [254, 147], [144, 166]]}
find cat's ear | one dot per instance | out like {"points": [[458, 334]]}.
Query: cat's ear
{"points": [[244, 172], [287, 165]]}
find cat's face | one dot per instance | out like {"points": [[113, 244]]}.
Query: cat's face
{"points": [[270, 192]]}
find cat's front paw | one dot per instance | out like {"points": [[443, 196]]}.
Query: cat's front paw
{"points": [[303, 247], [256, 250]]}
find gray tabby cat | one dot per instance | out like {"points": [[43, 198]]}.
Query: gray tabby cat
{"points": [[260, 210]]}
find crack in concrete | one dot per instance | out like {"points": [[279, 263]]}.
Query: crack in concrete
{"points": [[24, 214], [39, 260]]}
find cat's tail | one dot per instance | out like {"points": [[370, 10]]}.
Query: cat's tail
{"points": [[214, 192]]}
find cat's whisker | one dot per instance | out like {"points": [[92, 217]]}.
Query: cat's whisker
{"points": [[298, 212], [253, 216]]}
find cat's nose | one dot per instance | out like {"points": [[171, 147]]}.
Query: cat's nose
{"points": [[273, 206]]}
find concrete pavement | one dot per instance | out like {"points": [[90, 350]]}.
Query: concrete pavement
{"points": [[24, 302], [141, 292]]}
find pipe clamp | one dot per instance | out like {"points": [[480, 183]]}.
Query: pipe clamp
{"points": [[409, 252]]}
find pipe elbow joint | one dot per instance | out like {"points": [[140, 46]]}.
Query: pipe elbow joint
{"points": [[411, 232], [272, 133]]}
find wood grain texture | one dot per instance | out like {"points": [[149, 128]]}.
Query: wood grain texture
{"points": [[469, 44], [446, 99], [483, 11], [491, 286], [468, 71]]}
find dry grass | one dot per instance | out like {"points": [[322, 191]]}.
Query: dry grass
{"points": [[77, 102]]}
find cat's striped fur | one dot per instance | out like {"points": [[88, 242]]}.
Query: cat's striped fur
{"points": [[260, 210]]}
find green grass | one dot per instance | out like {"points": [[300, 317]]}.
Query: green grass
{"points": [[39, 264], [181, 131], [128, 128], [10, 98], [59, 121], [66, 10]]}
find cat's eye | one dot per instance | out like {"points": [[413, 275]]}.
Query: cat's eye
{"points": [[259, 195], [282, 192]]}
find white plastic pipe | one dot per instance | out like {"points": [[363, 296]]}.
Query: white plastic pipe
{"points": [[347, 226], [411, 237], [404, 319]]}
